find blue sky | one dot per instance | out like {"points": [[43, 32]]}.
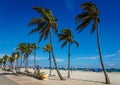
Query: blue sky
{"points": [[16, 14]]}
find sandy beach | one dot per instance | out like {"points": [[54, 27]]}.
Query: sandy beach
{"points": [[77, 78]]}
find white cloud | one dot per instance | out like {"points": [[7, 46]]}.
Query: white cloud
{"points": [[45, 58], [116, 54], [59, 60], [39, 58], [87, 58]]}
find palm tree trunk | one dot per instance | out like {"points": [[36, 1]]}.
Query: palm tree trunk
{"points": [[54, 59], [26, 65], [101, 60], [17, 64], [21, 62], [69, 60], [50, 63], [34, 58]]}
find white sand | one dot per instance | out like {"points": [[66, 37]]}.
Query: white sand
{"points": [[77, 78]]}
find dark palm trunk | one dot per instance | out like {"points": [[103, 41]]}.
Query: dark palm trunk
{"points": [[49, 63], [101, 60], [54, 59], [69, 60]]}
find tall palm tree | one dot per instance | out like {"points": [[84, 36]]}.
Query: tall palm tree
{"points": [[47, 48], [27, 52], [91, 14], [67, 37], [1, 61], [34, 47], [45, 24], [5, 58], [21, 50], [11, 60], [18, 56]]}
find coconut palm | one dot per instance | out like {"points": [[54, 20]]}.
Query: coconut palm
{"points": [[28, 50], [67, 37], [1, 61], [47, 48], [17, 57], [45, 24], [5, 58], [21, 50], [34, 47], [91, 14], [11, 60]]}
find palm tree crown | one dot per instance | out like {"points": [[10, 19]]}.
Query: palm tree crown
{"points": [[67, 37], [47, 48], [90, 14], [44, 23]]}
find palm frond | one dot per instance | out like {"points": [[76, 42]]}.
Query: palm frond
{"points": [[34, 30], [81, 16], [63, 44], [46, 33], [75, 42], [41, 36], [35, 21], [89, 6], [93, 28], [40, 10], [84, 24]]}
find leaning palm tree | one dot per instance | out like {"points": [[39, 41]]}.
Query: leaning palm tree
{"points": [[47, 48], [34, 47], [91, 14], [67, 37], [45, 24]]}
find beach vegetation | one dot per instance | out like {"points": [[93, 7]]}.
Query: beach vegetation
{"points": [[89, 15], [67, 37], [45, 24]]}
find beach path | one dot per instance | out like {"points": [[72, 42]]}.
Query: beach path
{"points": [[24, 80], [6, 81]]}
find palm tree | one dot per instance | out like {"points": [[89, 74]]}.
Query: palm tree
{"points": [[67, 37], [5, 58], [1, 61], [47, 48], [45, 24], [28, 50], [21, 50], [17, 57], [91, 14], [35, 47], [11, 60]]}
